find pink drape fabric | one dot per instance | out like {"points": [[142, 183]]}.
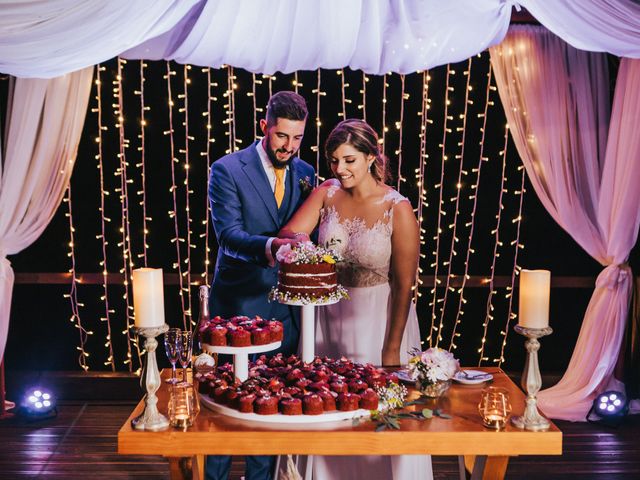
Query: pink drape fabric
{"points": [[584, 166], [43, 130]]}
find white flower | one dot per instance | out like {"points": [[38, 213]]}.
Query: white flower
{"points": [[432, 365]]}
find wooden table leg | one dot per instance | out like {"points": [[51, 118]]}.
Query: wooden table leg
{"points": [[483, 467], [197, 465], [175, 470]]}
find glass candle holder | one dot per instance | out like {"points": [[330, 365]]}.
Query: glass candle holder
{"points": [[183, 405], [494, 407]]}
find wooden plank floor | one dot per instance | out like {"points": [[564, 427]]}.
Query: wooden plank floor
{"points": [[81, 443]]}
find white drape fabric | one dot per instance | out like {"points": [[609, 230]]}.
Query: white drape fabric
{"points": [[43, 130], [46, 38], [584, 167], [377, 36], [596, 25]]}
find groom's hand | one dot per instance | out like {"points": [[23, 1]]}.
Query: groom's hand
{"points": [[278, 242]]}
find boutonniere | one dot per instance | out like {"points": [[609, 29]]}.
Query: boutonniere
{"points": [[305, 186]]}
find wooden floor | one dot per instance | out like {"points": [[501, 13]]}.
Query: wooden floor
{"points": [[81, 443]]}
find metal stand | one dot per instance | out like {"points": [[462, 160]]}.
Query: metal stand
{"points": [[532, 381], [151, 419]]}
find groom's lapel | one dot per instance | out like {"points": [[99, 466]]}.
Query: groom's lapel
{"points": [[258, 178], [295, 186]]}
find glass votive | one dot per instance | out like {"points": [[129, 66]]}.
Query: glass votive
{"points": [[183, 405], [494, 407]]}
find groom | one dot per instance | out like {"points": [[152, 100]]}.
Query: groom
{"points": [[252, 194]]}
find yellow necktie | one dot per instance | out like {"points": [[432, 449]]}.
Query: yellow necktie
{"points": [[278, 191]]}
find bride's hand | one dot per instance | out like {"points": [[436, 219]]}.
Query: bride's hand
{"points": [[390, 357]]}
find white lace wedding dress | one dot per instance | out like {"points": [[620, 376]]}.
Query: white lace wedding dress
{"points": [[355, 328]]}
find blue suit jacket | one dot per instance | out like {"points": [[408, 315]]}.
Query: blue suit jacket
{"points": [[245, 215]]}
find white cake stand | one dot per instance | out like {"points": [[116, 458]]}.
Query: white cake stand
{"points": [[308, 327], [240, 355]]}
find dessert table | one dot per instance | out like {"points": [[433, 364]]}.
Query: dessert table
{"points": [[485, 453]]}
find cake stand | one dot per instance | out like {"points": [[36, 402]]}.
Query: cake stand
{"points": [[240, 355], [308, 326]]}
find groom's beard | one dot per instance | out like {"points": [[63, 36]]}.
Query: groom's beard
{"points": [[275, 161]]}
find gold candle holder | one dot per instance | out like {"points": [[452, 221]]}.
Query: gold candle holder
{"points": [[532, 380], [494, 407]]}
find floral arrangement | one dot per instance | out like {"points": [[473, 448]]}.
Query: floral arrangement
{"points": [[393, 407], [432, 366], [391, 397], [306, 252]]}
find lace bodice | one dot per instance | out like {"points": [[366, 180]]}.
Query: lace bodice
{"points": [[365, 247]]}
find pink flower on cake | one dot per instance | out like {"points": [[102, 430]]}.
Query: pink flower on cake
{"points": [[286, 255]]}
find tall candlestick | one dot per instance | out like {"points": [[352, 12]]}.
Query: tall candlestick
{"points": [[535, 287], [148, 297]]}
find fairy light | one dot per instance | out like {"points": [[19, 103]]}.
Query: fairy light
{"points": [[207, 155], [343, 95], [252, 94], [497, 243], [186, 81], [177, 240], [385, 129], [453, 226], [403, 96], [316, 148], [422, 191], [441, 212], [517, 246], [125, 241], [271, 78], [103, 219], [231, 110], [296, 83], [73, 293], [142, 165], [471, 224], [363, 91]]}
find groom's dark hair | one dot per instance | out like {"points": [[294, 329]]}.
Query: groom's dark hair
{"points": [[287, 105]]}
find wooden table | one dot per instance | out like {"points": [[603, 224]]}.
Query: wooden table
{"points": [[483, 452]]}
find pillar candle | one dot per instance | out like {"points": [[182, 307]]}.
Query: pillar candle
{"points": [[535, 287], [148, 297]]}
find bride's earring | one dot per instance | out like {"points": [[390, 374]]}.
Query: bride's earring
{"points": [[369, 167]]}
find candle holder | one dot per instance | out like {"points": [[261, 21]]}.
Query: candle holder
{"points": [[183, 405], [494, 407], [531, 380], [150, 419]]}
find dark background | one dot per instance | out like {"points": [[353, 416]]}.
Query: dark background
{"points": [[41, 335]]}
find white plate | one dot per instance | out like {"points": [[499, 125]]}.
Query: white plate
{"points": [[404, 376], [472, 377], [326, 417]]}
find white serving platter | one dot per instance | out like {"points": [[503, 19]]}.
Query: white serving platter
{"points": [[326, 417]]}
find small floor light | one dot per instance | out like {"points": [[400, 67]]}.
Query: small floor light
{"points": [[38, 404], [609, 408]]}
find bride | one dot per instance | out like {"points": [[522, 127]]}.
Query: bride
{"points": [[375, 230]]}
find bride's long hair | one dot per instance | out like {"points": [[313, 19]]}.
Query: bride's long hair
{"points": [[362, 137]]}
